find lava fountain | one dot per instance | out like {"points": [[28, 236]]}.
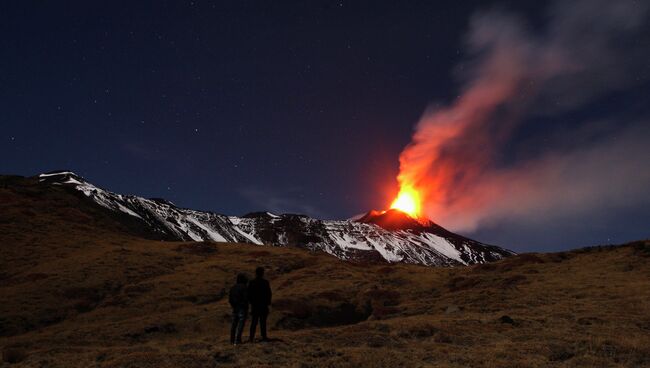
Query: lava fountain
{"points": [[408, 201]]}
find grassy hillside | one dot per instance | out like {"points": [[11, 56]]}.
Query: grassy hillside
{"points": [[78, 291]]}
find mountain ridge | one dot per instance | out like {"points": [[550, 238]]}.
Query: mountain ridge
{"points": [[390, 236]]}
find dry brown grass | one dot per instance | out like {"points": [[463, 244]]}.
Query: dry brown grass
{"points": [[77, 292]]}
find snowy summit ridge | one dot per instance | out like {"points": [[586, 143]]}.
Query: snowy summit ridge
{"points": [[390, 236]]}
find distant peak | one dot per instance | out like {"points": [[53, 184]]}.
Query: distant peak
{"points": [[260, 214], [62, 176], [58, 173]]}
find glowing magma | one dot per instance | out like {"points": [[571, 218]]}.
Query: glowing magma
{"points": [[407, 201]]}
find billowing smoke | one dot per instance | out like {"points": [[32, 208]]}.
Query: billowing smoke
{"points": [[524, 139]]}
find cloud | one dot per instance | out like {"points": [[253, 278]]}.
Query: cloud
{"points": [[469, 160], [578, 183]]}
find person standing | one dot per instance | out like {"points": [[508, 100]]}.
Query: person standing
{"points": [[238, 298], [259, 293]]}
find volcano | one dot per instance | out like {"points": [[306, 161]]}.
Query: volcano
{"points": [[377, 236], [394, 219]]}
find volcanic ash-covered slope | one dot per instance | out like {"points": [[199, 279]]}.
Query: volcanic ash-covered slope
{"points": [[378, 236]]}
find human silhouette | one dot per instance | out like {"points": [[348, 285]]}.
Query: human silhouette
{"points": [[238, 299], [259, 295]]}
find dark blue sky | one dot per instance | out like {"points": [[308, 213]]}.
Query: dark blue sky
{"points": [[240, 106]]}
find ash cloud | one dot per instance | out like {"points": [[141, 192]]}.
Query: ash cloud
{"points": [[472, 160]]}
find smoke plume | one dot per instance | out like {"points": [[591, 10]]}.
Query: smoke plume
{"points": [[524, 138]]}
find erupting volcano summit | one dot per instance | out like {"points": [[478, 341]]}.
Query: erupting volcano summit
{"points": [[408, 201]]}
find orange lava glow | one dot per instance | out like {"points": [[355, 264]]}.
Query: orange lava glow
{"points": [[408, 201]]}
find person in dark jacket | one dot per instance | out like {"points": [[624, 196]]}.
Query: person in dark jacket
{"points": [[238, 298], [259, 295]]}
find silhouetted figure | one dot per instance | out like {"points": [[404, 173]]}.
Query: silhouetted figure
{"points": [[259, 295], [238, 299]]}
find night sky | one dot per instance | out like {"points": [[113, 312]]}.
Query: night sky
{"points": [[300, 107]]}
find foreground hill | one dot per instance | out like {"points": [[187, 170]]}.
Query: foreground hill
{"points": [[78, 290], [391, 237]]}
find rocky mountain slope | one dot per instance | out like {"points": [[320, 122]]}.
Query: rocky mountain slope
{"points": [[378, 236]]}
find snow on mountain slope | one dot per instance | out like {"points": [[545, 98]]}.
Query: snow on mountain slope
{"points": [[380, 236]]}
